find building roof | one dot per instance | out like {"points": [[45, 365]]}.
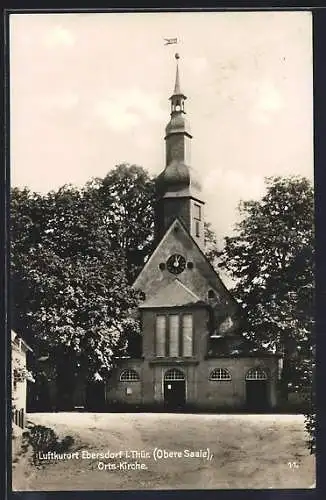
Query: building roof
{"points": [[174, 294], [16, 339]]}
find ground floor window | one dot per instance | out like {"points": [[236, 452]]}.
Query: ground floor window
{"points": [[174, 374], [129, 376], [220, 374], [256, 374]]}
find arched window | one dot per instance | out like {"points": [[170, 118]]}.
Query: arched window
{"points": [[129, 376], [220, 374], [174, 374], [256, 374]]}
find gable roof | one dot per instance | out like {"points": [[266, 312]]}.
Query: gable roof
{"points": [[168, 231], [174, 294], [214, 274]]}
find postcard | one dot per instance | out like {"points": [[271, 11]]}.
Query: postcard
{"points": [[162, 250]]}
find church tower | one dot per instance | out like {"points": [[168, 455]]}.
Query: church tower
{"points": [[178, 189], [192, 350]]}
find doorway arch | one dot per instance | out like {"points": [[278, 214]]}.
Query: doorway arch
{"points": [[174, 389]]}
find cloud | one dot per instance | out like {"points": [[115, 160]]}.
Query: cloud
{"points": [[268, 102], [62, 101], [115, 115], [197, 64], [59, 36], [125, 109], [240, 183]]}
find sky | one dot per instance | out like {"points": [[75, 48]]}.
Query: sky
{"points": [[89, 91]]}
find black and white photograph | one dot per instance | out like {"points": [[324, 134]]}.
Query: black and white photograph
{"points": [[162, 250]]}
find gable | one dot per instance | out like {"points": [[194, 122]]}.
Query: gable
{"points": [[157, 283], [172, 295]]}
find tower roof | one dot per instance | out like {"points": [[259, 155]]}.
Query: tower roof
{"points": [[177, 89], [178, 179], [177, 78]]}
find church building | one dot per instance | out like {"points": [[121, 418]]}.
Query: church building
{"points": [[194, 354]]}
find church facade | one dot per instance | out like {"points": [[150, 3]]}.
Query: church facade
{"points": [[193, 352]]}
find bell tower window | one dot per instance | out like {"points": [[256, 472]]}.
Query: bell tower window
{"points": [[197, 211], [197, 215], [177, 105]]}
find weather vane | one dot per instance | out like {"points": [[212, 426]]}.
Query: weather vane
{"points": [[168, 41]]}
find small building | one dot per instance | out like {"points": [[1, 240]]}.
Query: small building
{"points": [[194, 353], [19, 378]]}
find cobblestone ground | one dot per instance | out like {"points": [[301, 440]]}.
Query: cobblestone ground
{"points": [[171, 451]]}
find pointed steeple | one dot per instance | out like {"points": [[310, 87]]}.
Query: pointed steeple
{"points": [[177, 98], [177, 79]]}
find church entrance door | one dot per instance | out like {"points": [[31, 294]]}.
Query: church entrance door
{"points": [[257, 395], [174, 389], [257, 385], [95, 396]]}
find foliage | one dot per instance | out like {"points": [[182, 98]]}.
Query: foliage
{"points": [[125, 200], [211, 246], [74, 255], [42, 440], [310, 425], [271, 259], [20, 373]]}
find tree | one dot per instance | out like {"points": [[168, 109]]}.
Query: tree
{"points": [[271, 259], [211, 246], [73, 256], [125, 199]]}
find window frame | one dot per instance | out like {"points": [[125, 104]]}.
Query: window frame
{"points": [[219, 370], [129, 371], [176, 371], [168, 346], [164, 350], [182, 334], [256, 370], [168, 315], [197, 206], [197, 228]]}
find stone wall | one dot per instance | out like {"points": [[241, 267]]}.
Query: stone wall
{"points": [[233, 392], [201, 392]]}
